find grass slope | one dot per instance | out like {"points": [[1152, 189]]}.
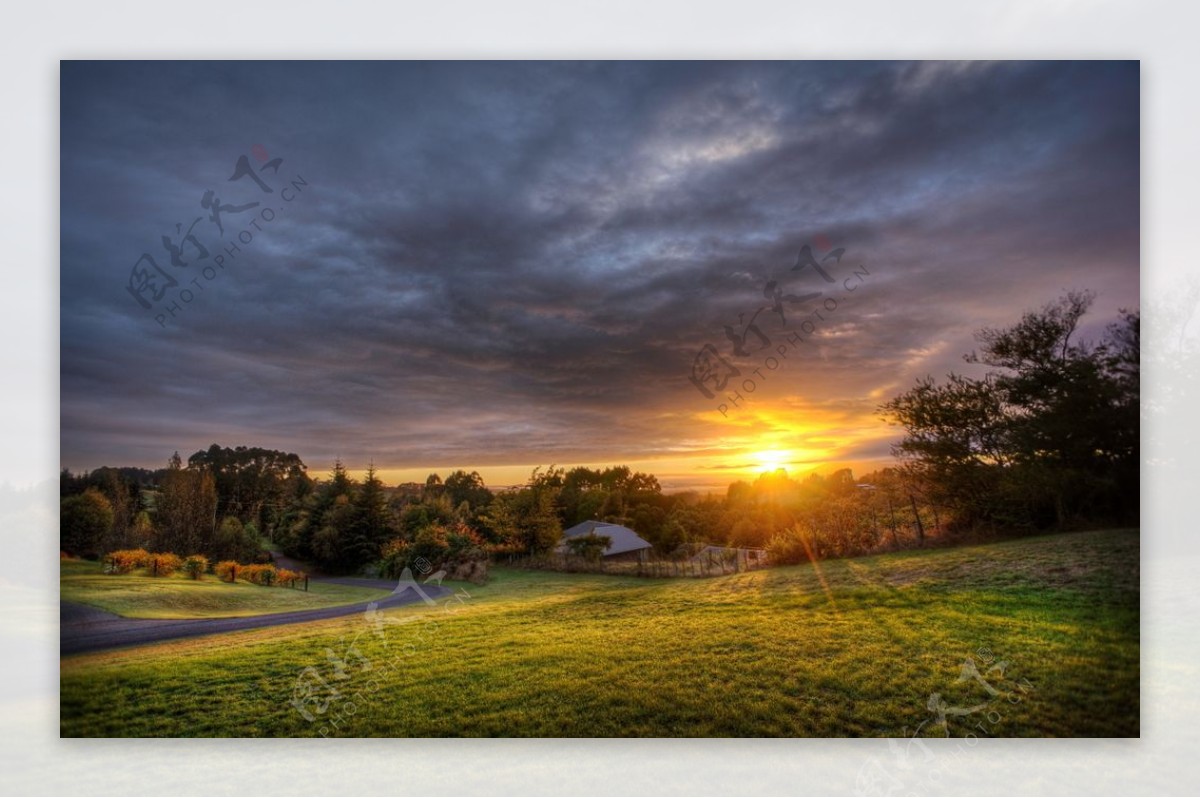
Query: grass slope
{"points": [[849, 648], [138, 595]]}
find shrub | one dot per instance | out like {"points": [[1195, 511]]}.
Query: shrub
{"points": [[396, 555], [790, 547], [195, 566], [590, 547], [163, 563], [436, 546], [286, 578], [228, 570], [125, 560], [464, 543], [265, 575]]}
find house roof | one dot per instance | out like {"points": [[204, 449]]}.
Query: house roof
{"points": [[623, 539]]}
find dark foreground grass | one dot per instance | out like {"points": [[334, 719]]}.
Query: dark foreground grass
{"points": [[849, 648], [139, 595]]}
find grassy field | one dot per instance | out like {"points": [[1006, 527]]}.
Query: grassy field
{"points": [[138, 595], [854, 647]]}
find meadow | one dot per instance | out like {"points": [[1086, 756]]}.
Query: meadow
{"points": [[139, 595], [1023, 638]]}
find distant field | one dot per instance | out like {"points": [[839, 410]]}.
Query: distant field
{"points": [[138, 595], [849, 648]]}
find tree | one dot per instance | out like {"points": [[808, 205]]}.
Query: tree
{"points": [[612, 493], [331, 542], [371, 523], [463, 487], [237, 541], [85, 521], [253, 484], [186, 510], [526, 519], [141, 533], [121, 494], [539, 526], [433, 487], [590, 547], [314, 514], [648, 520], [1047, 438], [415, 517]]}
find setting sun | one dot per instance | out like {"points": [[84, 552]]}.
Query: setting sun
{"points": [[772, 459]]}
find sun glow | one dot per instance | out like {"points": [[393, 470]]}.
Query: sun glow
{"points": [[772, 459]]}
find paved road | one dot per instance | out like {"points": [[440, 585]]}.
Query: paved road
{"points": [[85, 628]]}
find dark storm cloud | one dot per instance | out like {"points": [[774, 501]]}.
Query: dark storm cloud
{"points": [[517, 262]]}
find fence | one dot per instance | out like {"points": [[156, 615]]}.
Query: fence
{"points": [[710, 561]]}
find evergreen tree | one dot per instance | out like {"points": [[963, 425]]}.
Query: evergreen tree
{"points": [[371, 523]]}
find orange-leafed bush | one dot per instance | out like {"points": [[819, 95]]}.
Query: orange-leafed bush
{"points": [[163, 564], [286, 578], [195, 566], [265, 575], [124, 560], [228, 570]]}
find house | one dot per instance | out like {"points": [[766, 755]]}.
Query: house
{"points": [[625, 543]]}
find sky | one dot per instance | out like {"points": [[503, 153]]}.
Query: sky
{"points": [[495, 266]]}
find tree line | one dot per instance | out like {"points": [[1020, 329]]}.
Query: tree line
{"points": [[220, 504], [1047, 438]]}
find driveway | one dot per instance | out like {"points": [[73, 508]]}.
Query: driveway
{"points": [[84, 628]]}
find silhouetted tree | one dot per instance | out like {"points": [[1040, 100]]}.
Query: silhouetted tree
{"points": [[1048, 438]]}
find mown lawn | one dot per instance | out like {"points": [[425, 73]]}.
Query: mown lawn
{"points": [[851, 648], [139, 595]]}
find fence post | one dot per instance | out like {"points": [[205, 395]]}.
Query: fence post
{"points": [[306, 583], [917, 515]]}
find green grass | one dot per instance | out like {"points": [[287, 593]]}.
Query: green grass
{"points": [[138, 595], [854, 647]]}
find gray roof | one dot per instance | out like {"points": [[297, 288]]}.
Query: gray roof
{"points": [[623, 538]]}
